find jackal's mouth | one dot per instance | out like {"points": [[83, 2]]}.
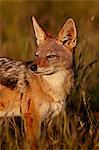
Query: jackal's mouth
{"points": [[45, 71]]}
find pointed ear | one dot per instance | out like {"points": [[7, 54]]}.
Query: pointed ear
{"points": [[39, 33], [68, 34]]}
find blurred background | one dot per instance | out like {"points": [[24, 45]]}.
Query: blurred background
{"points": [[17, 39]]}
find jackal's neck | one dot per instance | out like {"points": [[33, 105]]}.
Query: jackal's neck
{"points": [[58, 85]]}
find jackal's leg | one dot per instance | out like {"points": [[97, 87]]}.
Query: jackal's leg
{"points": [[32, 123], [30, 131]]}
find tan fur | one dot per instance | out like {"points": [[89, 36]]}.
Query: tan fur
{"points": [[48, 87]]}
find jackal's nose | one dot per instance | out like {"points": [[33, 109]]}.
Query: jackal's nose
{"points": [[33, 67]]}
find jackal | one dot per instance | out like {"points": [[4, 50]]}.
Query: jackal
{"points": [[40, 94]]}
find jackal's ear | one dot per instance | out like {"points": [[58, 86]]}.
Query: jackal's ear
{"points": [[67, 34], [40, 34]]}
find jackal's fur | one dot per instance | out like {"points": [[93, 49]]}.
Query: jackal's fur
{"points": [[38, 95]]}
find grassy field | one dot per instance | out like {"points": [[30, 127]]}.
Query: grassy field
{"points": [[77, 127]]}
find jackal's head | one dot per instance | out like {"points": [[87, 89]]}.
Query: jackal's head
{"points": [[54, 54]]}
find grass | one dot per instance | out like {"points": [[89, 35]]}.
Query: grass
{"points": [[77, 127]]}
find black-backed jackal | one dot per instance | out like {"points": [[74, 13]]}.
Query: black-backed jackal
{"points": [[37, 95]]}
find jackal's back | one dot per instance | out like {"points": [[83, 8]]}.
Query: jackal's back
{"points": [[13, 74]]}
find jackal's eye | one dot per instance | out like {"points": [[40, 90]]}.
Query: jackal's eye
{"points": [[52, 55]]}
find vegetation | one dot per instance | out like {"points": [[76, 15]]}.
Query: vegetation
{"points": [[77, 127]]}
